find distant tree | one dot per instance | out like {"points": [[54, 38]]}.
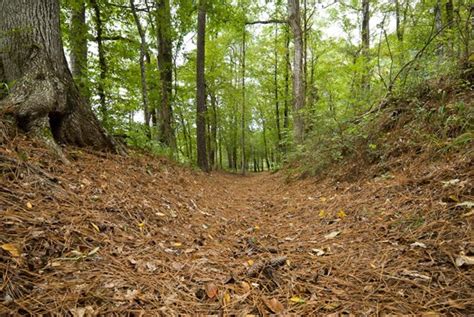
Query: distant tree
{"points": [[202, 160]]}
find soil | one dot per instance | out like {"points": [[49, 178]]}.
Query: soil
{"points": [[138, 235]]}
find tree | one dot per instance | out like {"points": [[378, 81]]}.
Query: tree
{"points": [[365, 34], [201, 89], [294, 19], [143, 74], [43, 96], [78, 55], [102, 61], [165, 65]]}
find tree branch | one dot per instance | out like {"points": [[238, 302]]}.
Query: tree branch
{"points": [[266, 22]]}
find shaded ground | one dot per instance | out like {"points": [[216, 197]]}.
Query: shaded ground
{"points": [[143, 236]]}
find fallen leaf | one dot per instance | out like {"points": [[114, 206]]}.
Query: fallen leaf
{"points": [[93, 251], [95, 227], [318, 252], [331, 305], [297, 300], [250, 262], [466, 204], [246, 286], [450, 182], [418, 244], [11, 248], [341, 214], [464, 260], [87, 311], [29, 205], [177, 244], [454, 198], [226, 298], [322, 199], [274, 305], [332, 235], [211, 290], [322, 213]]}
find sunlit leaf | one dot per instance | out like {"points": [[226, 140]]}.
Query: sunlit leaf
{"points": [[11, 248], [297, 299]]}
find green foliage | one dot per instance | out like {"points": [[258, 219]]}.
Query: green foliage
{"points": [[343, 82]]}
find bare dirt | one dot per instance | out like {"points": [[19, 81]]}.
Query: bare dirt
{"points": [[137, 235]]}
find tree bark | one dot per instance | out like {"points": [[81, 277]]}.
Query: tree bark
{"points": [[165, 65], [242, 122], [201, 89], [286, 121], [78, 55], [143, 75], [294, 18], [44, 96], [102, 61], [365, 34], [275, 84]]}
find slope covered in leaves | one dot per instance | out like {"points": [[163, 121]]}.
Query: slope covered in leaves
{"points": [[110, 234]]}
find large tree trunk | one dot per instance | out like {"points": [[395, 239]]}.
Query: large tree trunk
{"points": [[165, 64], [201, 89], [298, 70], [44, 95]]}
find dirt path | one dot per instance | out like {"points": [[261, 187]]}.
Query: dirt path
{"points": [[134, 235]]}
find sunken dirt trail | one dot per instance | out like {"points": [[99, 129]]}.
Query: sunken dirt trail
{"points": [[137, 235]]}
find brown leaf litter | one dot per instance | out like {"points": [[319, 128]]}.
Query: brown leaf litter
{"points": [[138, 235]]}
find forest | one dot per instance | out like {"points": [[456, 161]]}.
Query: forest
{"points": [[250, 158]]}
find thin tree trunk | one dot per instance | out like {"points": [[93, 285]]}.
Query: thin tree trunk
{"points": [[265, 146], [286, 120], [213, 133], [102, 61], [365, 34], [438, 24], [78, 55], [242, 123], [201, 89], [275, 84], [143, 75], [165, 65], [44, 96], [294, 19]]}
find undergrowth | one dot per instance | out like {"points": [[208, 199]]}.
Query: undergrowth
{"points": [[435, 118]]}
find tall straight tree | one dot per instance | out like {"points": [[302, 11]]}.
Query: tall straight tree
{"points": [[365, 34], [143, 74], [78, 54], [165, 65], [294, 19], [201, 89], [44, 95], [102, 61]]}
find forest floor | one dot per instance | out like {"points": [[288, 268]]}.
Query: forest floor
{"points": [[144, 236]]}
